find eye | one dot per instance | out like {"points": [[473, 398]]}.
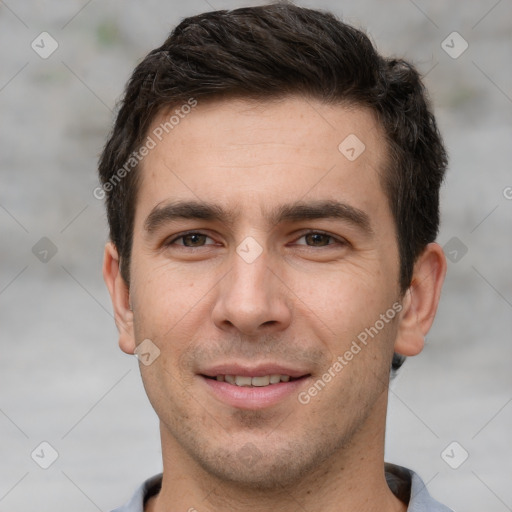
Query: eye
{"points": [[319, 239], [192, 239]]}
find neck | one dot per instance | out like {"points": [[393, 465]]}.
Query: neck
{"points": [[352, 478]]}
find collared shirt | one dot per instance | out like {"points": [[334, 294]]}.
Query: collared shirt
{"points": [[405, 484]]}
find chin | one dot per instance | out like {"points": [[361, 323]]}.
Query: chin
{"points": [[255, 466], [263, 474]]}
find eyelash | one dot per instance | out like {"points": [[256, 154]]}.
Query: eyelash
{"points": [[340, 241]]}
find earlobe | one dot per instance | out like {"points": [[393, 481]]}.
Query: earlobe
{"points": [[421, 300], [120, 296]]}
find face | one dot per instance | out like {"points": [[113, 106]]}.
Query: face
{"points": [[263, 255]]}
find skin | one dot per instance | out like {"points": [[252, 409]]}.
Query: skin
{"points": [[301, 302]]}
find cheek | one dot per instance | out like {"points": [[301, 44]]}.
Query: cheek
{"points": [[166, 306], [347, 309], [169, 309], [342, 296], [166, 297]]}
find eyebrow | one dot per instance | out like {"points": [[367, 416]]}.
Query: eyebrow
{"points": [[178, 210], [326, 209], [293, 212]]}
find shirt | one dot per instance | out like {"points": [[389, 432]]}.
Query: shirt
{"points": [[404, 483]]}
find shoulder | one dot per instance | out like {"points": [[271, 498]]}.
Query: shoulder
{"points": [[409, 487], [149, 488]]}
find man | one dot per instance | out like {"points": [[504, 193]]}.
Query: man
{"points": [[272, 192]]}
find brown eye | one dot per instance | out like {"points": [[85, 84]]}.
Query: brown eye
{"points": [[194, 240], [190, 240], [317, 239]]}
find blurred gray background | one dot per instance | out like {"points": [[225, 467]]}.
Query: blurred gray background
{"points": [[63, 380]]}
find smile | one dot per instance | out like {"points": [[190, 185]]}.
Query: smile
{"points": [[247, 381], [254, 389]]}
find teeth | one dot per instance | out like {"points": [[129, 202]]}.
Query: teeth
{"points": [[261, 381], [242, 380]]}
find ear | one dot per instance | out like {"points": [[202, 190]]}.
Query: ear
{"points": [[420, 302], [120, 296]]}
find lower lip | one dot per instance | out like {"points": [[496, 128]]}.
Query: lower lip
{"points": [[245, 397]]}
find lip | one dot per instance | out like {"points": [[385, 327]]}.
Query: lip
{"points": [[253, 398]]}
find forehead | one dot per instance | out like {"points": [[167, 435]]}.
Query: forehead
{"points": [[249, 154]]}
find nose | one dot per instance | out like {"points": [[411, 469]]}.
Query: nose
{"points": [[252, 299]]}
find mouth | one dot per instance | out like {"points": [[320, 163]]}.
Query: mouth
{"points": [[258, 382], [260, 387]]}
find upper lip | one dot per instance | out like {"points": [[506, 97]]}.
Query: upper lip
{"points": [[252, 370]]}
